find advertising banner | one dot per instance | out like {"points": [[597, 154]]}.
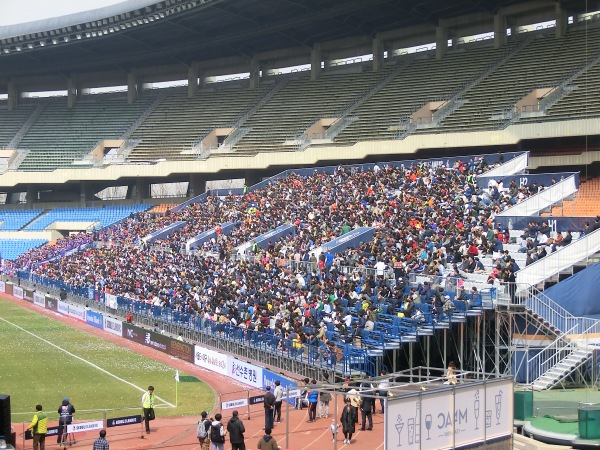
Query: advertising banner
{"points": [[63, 307], [269, 379], [2, 286], [94, 319], [234, 403], [8, 288], [52, 431], [17, 292], [121, 421], [145, 337], [77, 312], [52, 304], [39, 300], [113, 326], [210, 359], [450, 417], [181, 350], [245, 372], [85, 426], [28, 295]]}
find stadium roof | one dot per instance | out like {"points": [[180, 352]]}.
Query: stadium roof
{"points": [[181, 31]]}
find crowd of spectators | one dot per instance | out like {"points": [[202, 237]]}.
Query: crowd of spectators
{"points": [[430, 220]]}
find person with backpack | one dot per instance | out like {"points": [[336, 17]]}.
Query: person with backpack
{"points": [[202, 431], [236, 430], [217, 433]]}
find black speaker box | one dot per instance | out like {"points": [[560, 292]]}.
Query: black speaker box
{"points": [[5, 416]]}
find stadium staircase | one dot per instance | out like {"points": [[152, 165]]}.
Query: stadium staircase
{"points": [[571, 348], [14, 143]]}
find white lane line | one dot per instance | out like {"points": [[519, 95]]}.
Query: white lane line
{"points": [[84, 360]]}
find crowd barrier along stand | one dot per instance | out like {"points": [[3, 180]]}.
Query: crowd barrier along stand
{"points": [[91, 423]]}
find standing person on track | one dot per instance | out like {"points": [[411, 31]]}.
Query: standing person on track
{"points": [[217, 433], [348, 420], [39, 428], [269, 408], [236, 430], [268, 442], [278, 393], [65, 413], [203, 431], [313, 398], [148, 406]]}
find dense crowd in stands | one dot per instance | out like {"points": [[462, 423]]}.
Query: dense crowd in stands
{"points": [[429, 220]]}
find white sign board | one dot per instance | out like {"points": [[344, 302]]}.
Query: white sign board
{"points": [[244, 372], [211, 360], [85, 426], [451, 417], [234, 403]]}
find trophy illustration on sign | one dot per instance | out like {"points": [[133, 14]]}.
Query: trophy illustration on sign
{"points": [[498, 403], [399, 428], [476, 409]]}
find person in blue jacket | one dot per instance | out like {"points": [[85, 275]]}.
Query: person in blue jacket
{"points": [[313, 399]]}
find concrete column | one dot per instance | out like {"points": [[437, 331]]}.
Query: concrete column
{"points": [[71, 93], [254, 73], [86, 193], [441, 42], [252, 177], [562, 20], [193, 74], [13, 95], [315, 61], [142, 190], [32, 195], [500, 25], [132, 87], [196, 186], [378, 51]]}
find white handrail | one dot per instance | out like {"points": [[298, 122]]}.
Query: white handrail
{"points": [[560, 260], [556, 348], [544, 199]]}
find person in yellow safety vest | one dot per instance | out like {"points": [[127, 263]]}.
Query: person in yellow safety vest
{"points": [[148, 406], [39, 428]]}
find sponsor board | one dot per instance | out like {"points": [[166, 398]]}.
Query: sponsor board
{"points": [[257, 399], [39, 299], [51, 304], [145, 337], [269, 379], [85, 426], [52, 431], [234, 403], [2, 286], [449, 418], [181, 350], [211, 360], [245, 372], [63, 307], [76, 312], [28, 295], [113, 326], [94, 319], [17, 292], [121, 421]]}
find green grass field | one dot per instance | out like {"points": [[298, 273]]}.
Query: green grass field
{"points": [[44, 360]]}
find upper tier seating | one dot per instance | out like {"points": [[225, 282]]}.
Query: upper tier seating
{"points": [[544, 62], [61, 135], [179, 122], [12, 121], [425, 79], [299, 105], [104, 215]]}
